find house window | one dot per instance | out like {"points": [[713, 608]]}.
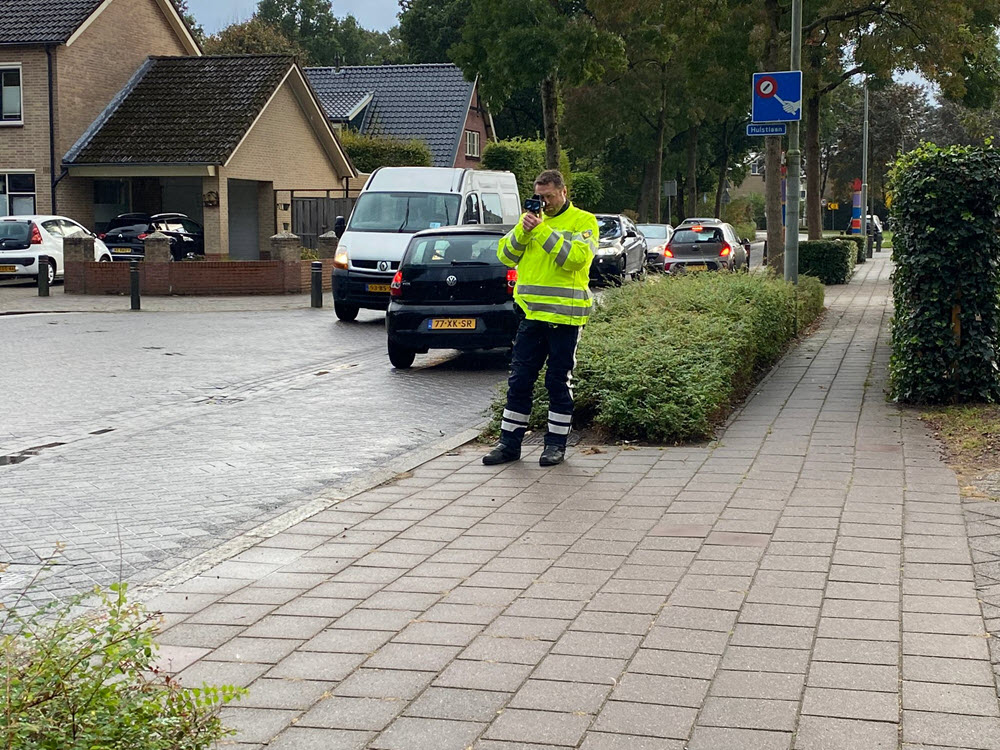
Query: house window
{"points": [[10, 95], [472, 143], [17, 193], [757, 166]]}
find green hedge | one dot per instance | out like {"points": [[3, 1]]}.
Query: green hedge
{"points": [[369, 152], [946, 248], [831, 261], [666, 360], [525, 158], [588, 189], [858, 240]]}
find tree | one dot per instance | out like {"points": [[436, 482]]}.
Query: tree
{"points": [[253, 37], [543, 44], [430, 28], [196, 29], [326, 39]]}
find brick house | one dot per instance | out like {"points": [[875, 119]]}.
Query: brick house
{"points": [[431, 103], [108, 106]]}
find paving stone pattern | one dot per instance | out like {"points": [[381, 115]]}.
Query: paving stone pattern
{"points": [[805, 583], [218, 422]]}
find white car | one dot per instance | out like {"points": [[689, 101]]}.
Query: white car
{"points": [[24, 238]]}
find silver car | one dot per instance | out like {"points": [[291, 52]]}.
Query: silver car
{"points": [[698, 247]]}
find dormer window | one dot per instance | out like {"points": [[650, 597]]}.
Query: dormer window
{"points": [[11, 101]]}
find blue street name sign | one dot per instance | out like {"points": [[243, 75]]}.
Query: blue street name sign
{"points": [[776, 129], [777, 97]]}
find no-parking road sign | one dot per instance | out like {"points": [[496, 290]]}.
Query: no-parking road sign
{"points": [[777, 97]]}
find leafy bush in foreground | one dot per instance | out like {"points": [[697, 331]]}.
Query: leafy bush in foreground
{"points": [[666, 360], [88, 682]]}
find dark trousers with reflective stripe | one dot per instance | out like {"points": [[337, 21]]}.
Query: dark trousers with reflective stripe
{"points": [[537, 341]]}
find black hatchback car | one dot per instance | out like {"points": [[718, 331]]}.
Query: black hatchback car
{"points": [[451, 292], [126, 234]]}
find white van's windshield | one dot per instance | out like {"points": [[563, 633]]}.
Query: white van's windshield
{"points": [[404, 212]]}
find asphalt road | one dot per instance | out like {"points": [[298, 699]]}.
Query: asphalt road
{"points": [[142, 440]]}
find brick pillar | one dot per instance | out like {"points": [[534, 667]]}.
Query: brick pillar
{"points": [[327, 245], [286, 248], [77, 253], [155, 269]]}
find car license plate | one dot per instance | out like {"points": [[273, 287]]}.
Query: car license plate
{"points": [[8, 269], [696, 267], [382, 288], [121, 249], [452, 324]]}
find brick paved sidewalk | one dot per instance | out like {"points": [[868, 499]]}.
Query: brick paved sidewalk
{"points": [[804, 583]]}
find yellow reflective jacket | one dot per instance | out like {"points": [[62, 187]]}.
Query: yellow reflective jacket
{"points": [[553, 265]]}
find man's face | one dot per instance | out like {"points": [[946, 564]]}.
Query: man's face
{"points": [[553, 197]]}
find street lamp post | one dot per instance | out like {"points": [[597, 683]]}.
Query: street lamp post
{"points": [[794, 162], [864, 180]]}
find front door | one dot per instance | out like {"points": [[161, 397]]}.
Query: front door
{"points": [[243, 222]]}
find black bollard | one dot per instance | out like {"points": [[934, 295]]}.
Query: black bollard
{"points": [[43, 275], [317, 283], [133, 277]]}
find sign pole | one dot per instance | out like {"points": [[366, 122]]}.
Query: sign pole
{"points": [[794, 160]]}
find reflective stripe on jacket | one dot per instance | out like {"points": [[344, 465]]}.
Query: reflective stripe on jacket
{"points": [[553, 266]]}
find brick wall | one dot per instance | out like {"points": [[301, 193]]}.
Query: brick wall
{"points": [[476, 121], [203, 278], [26, 147]]}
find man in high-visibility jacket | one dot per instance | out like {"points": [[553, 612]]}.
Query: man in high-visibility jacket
{"points": [[552, 253]]}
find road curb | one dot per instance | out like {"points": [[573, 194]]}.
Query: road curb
{"points": [[210, 558]]}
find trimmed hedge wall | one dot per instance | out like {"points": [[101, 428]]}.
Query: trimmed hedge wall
{"points": [[946, 248], [525, 158], [858, 240], [666, 360], [369, 152], [831, 261]]}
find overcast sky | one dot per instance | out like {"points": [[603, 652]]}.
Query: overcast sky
{"points": [[216, 14]]}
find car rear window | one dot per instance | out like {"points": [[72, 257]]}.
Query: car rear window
{"points": [[128, 228], [130, 223], [697, 234], [444, 250], [15, 230]]}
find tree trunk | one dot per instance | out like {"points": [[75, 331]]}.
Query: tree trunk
{"points": [[648, 193], [814, 191], [723, 170], [661, 130], [692, 171], [550, 119]]}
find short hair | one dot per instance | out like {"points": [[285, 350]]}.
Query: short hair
{"points": [[551, 177]]}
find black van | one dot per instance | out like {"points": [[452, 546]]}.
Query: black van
{"points": [[451, 292]]}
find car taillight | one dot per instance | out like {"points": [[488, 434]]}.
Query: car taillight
{"points": [[667, 253], [101, 236], [141, 236], [511, 280], [396, 287], [725, 251], [36, 234]]}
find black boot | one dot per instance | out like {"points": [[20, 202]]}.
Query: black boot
{"points": [[502, 454], [552, 455]]}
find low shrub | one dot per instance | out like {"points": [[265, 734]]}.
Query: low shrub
{"points": [[369, 152], [746, 231], [859, 240], [665, 361], [831, 261], [306, 253], [86, 682]]}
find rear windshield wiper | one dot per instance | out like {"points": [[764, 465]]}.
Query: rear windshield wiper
{"points": [[471, 263]]}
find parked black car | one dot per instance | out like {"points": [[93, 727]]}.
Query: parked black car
{"points": [[621, 252], [705, 248], [451, 292], [126, 233]]}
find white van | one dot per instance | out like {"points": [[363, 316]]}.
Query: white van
{"points": [[395, 203]]}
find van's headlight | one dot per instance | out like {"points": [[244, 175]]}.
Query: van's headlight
{"points": [[340, 259]]}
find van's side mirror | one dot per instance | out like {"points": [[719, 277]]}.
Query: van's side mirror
{"points": [[630, 233], [339, 226]]}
